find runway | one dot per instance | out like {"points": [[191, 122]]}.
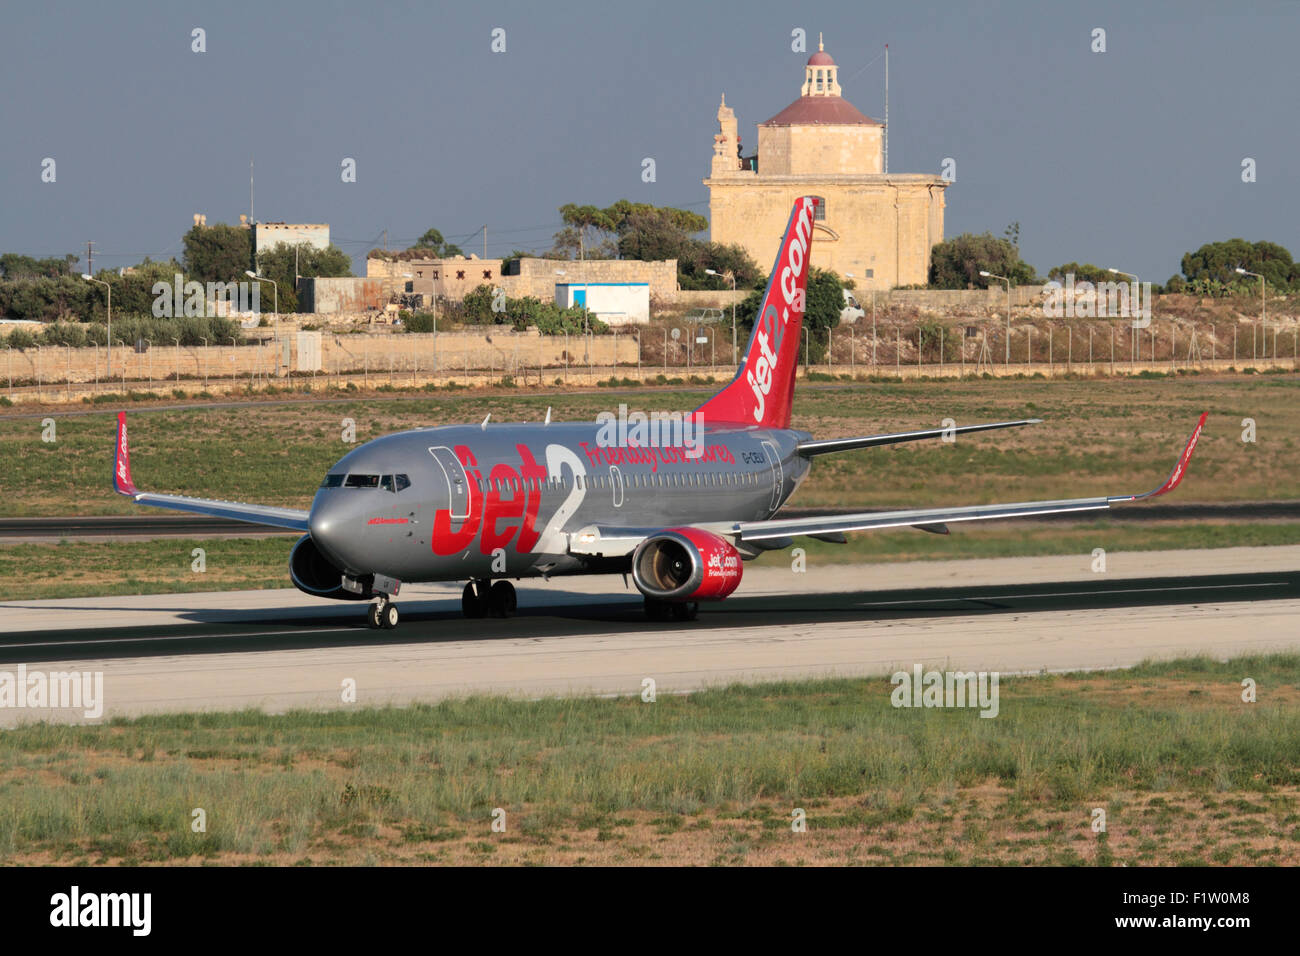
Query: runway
{"points": [[158, 525], [281, 649]]}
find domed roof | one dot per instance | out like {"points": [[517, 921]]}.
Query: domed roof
{"points": [[821, 111], [821, 58]]}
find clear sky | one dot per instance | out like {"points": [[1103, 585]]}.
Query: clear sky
{"points": [[1127, 158]]}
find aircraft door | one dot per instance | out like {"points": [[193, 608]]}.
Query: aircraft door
{"points": [[616, 483], [457, 483], [778, 477]]}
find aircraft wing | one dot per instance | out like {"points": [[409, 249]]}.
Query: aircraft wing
{"points": [[235, 510], [826, 446], [935, 519]]}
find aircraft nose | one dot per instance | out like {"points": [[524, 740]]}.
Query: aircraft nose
{"points": [[325, 523]]}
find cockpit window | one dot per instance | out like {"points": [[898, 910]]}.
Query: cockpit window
{"points": [[402, 482], [332, 481], [361, 481], [386, 482]]}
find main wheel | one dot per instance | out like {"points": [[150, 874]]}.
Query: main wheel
{"points": [[688, 611], [502, 600], [388, 618], [470, 602], [374, 616], [656, 610]]}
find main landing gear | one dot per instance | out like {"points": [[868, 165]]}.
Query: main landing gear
{"points": [[657, 610], [486, 598], [383, 614]]}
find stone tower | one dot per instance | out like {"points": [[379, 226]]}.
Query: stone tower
{"points": [[878, 227]]}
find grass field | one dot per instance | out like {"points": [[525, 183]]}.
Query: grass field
{"points": [[164, 566], [1101, 437], [1185, 771]]}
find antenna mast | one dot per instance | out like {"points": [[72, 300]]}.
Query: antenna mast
{"points": [[886, 108]]}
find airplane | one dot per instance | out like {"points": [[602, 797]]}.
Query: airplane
{"points": [[679, 504]]}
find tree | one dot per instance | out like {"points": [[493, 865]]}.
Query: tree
{"points": [[16, 266], [439, 248], [278, 263], [624, 230], [218, 253], [824, 300], [477, 308], [956, 263], [1218, 262], [726, 260], [653, 235], [587, 228], [1086, 272]]}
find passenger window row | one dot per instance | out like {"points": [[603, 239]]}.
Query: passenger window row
{"points": [[707, 479]]}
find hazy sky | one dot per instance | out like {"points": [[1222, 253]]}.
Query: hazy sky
{"points": [[1127, 158]]}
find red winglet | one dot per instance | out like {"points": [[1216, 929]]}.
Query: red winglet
{"points": [[1180, 468], [122, 465]]}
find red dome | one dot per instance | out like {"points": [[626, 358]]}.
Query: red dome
{"points": [[820, 58], [821, 111]]}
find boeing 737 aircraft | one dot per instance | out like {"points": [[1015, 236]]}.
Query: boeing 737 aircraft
{"points": [[492, 502]]}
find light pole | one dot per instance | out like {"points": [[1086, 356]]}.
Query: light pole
{"points": [[990, 275], [1263, 315], [109, 340], [275, 286], [735, 359], [1133, 345]]}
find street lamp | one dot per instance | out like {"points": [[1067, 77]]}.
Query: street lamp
{"points": [[109, 341], [990, 275], [1263, 314], [735, 360], [275, 286]]}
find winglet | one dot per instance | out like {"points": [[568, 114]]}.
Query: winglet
{"points": [[122, 483], [1180, 467]]}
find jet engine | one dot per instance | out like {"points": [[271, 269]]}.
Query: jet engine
{"points": [[686, 564], [312, 573]]}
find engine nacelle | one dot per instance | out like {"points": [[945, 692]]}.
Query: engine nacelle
{"points": [[686, 564], [312, 573]]}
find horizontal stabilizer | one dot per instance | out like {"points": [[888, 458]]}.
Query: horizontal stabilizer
{"points": [[828, 445]]}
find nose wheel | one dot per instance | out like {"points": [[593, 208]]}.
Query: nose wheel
{"points": [[485, 598], [382, 615]]}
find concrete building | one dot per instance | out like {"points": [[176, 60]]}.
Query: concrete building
{"points": [[878, 226], [267, 234], [614, 303], [451, 279], [322, 294]]}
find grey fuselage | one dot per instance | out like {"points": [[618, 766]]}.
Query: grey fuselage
{"points": [[502, 500]]}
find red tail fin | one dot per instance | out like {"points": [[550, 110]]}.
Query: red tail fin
{"points": [[122, 460], [763, 389]]}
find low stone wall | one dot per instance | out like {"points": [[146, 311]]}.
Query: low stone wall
{"points": [[494, 351], [942, 300], [584, 377]]}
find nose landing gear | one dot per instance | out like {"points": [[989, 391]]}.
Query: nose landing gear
{"points": [[486, 598], [383, 614]]}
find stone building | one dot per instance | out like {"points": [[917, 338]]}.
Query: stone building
{"points": [[266, 235], [877, 226], [451, 279]]}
